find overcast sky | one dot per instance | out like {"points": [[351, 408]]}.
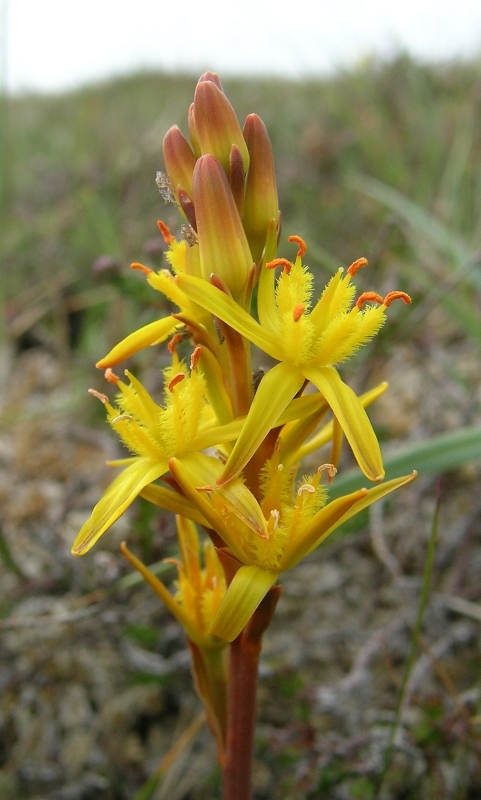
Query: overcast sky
{"points": [[55, 44]]}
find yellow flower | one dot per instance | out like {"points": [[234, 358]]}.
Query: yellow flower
{"points": [[153, 434], [269, 537], [200, 590], [307, 342], [186, 424]]}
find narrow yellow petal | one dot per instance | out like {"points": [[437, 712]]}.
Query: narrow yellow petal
{"points": [[248, 588], [297, 409], [161, 591], [119, 496], [222, 306], [150, 334], [372, 495], [324, 436], [275, 391], [172, 501], [352, 418], [316, 531], [326, 520]]}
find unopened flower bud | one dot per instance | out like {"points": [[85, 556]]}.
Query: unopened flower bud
{"points": [[224, 249], [216, 125], [260, 203], [179, 160]]}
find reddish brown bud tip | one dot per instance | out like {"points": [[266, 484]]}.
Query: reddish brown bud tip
{"points": [[212, 77], [219, 284], [175, 380], [360, 262], [369, 297], [141, 268], [187, 206], [168, 238], [300, 242], [396, 296]]}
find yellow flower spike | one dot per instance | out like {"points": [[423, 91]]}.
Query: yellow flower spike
{"points": [[261, 203], [216, 124], [223, 245], [308, 343]]}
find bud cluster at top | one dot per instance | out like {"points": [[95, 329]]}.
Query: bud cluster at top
{"points": [[224, 183]]}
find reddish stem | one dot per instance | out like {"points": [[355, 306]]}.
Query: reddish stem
{"points": [[243, 670]]}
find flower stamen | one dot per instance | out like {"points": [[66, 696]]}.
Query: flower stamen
{"points": [[175, 380], [176, 339], [396, 296], [369, 297], [141, 268], [194, 359], [298, 311], [102, 397], [165, 231], [110, 376], [121, 417], [300, 242], [280, 262], [330, 468], [360, 262]]}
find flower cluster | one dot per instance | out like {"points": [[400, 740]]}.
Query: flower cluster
{"points": [[227, 448]]}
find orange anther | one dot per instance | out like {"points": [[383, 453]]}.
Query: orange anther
{"points": [[396, 296], [369, 297], [175, 380], [360, 262], [168, 238], [279, 262], [306, 488], [330, 468], [102, 397], [121, 418], [110, 376], [194, 359], [141, 268], [300, 242], [172, 345], [298, 311]]}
